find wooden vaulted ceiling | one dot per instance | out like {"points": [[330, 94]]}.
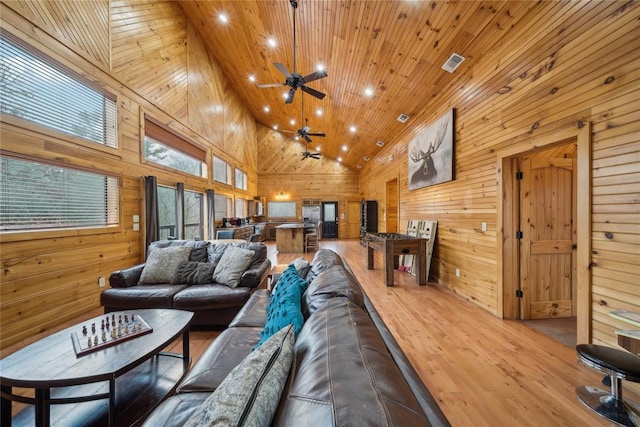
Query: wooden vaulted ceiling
{"points": [[395, 48]]}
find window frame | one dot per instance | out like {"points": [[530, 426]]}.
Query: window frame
{"points": [[228, 170], [110, 108], [171, 140], [25, 233], [243, 178]]}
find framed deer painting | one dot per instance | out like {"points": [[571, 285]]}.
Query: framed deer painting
{"points": [[431, 154]]}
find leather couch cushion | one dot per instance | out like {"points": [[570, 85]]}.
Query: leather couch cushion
{"points": [[147, 296], [322, 259], [224, 354], [253, 312], [175, 411], [203, 297], [343, 375], [335, 281]]}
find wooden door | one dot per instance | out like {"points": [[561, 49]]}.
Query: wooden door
{"points": [[391, 212], [547, 218], [353, 220], [329, 220]]}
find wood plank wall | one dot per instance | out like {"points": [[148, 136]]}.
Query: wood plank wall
{"points": [[282, 169], [150, 57], [572, 63]]}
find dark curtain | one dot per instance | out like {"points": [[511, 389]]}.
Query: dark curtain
{"points": [[152, 221], [180, 209], [211, 214]]}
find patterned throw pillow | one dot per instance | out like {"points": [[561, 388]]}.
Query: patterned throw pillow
{"points": [[193, 273], [162, 263], [233, 263], [250, 394], [284, 307]]}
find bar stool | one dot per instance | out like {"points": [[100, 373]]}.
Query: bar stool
{"points": [[618, 365]]}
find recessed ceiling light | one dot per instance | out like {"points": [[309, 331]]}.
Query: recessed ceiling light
{"points": [[319, 112], [379, 143], [359, 166], [252, 78], [272, 42], [318, 148], [223, 18], [320, 67], [275, 127], [368, 92], [285, 95], [266, 109], [366, 158], [297, 138], [292, 121], [353, 129], [345, 148], [339, 159]]}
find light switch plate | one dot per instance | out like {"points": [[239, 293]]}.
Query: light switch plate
{"points": [[136, 218], [136, 227], [484, 227]]}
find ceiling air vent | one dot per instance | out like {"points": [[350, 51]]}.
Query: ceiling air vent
{"points": [[453, 62], [402, 118], [379, 143]]}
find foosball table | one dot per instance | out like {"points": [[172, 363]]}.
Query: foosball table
{"points": [[392, 245]]}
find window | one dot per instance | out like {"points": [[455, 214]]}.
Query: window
{"points": [[169, 207], [193, 215], [163, 147], [33, 87], [221, 171], [168, 212], [282, 209], [36, 196], [241, 180], [241, 207], [223, 206]]}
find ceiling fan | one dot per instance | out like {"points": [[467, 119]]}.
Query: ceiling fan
{"points": [[295, 80], [305, 133]]}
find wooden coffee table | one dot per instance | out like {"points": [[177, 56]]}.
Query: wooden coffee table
{"points": [[114, 385]]}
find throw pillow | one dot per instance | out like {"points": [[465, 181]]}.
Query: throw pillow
{"points": [[233, 263], [249, 395], [285, 306], [193, 273], [162, 263], [302, 266], [288, 278]]}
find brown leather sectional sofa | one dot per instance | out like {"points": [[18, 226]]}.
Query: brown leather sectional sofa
{"points": [[347, 368], [213, 304]]}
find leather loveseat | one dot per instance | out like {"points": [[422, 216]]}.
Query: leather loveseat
{"points": [[347, 369], [213, 304]]}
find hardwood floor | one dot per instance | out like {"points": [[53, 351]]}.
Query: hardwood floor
{"points": [[483, 371]]}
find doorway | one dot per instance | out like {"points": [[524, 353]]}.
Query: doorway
{"points": [[391, 213], [511, 290], [329, 220]]}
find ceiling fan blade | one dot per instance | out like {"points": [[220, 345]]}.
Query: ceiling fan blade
{"points": [[282, 69], [315, 156], [306, 137], [289, 99], [314, 76], [322, 134], [312, 92], [270, 85]]}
